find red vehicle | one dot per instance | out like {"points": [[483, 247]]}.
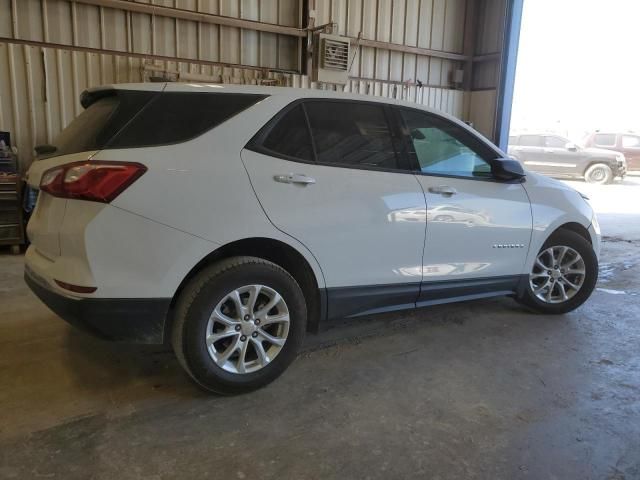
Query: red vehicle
{"points": [[627, 143]]}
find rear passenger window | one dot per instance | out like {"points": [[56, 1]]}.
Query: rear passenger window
{"points": [[177, 117], [351, 134], [290, 136], [630, 141]]}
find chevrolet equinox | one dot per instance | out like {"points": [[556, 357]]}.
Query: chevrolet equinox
{"points": [[230, 220]]}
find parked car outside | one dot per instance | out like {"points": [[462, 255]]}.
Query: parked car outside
{"points": [[627, 143], [230, 220], [455, 213], [556, 156]]}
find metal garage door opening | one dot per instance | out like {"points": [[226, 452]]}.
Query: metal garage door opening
{"points": [[575, 110]]}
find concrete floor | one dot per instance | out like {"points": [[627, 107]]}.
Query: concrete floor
{"points": [[476, 390]]}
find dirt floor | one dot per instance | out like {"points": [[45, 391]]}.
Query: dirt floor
{"points": [[478, 390]]}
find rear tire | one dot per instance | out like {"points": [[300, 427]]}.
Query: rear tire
{"points": [[226, 334], [599, 174], [546, 286]]}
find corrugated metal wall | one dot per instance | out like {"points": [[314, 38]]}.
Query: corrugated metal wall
{"points": [[51, 50], [489, 40], [75, 23], [486, 74], [430, 24]]}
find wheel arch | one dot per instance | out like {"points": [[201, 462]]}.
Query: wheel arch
{"points": [[275, 251], [596, 161], [565, 234], [576, 228], [539, 239]]}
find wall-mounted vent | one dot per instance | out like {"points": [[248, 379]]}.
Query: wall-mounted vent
{"points": [[335, 54], [332, 59]]}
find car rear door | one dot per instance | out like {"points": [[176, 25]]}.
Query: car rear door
{"points": [[327, 173], [478, 228], [560, 160], [631, 149]]}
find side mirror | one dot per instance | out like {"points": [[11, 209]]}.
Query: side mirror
{"points": [[417, 134], [507, 169], [571, 147]]}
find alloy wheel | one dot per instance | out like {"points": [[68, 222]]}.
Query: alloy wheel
{"points": [[558, 274], [598, 174], [247, 329]]}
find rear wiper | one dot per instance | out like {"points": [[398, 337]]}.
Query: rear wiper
{"points": [[45, 149]]}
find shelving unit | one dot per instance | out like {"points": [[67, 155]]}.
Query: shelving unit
{"points": [[11, 221]]}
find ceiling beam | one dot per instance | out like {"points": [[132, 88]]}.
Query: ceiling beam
{"points": [[363, 42], [182, 14], [145, 56]]}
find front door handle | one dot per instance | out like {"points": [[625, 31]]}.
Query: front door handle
{"points": [[445, 190], [295, 178]]}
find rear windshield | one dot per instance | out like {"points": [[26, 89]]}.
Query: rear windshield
{"points": [[130, 119], [94, 127]]}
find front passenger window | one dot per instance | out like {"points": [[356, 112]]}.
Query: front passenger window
{"points": [[531, 141], [556, 142], [443, 148]]}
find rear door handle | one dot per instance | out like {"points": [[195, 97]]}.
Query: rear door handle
{"points": [[445, 190], [295, 178]]}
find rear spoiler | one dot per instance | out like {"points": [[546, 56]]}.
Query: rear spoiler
{"points": [[92, 95]]}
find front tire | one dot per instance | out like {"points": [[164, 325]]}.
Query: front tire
{"points": [[563, 276], [239, 324], [599, 173]]}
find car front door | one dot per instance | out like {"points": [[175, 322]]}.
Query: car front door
{"points": [[327, 173], [478, 228], [561, 158]]}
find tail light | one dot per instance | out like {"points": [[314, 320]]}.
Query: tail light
{"points": [[94, 181]]}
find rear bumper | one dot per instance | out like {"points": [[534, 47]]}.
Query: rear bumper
{"points": [[118, 319]]}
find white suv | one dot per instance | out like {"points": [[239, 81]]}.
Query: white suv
{"points": [[231, 220]]}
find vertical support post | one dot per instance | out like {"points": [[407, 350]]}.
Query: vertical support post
{"points": [[308, 22], [469, 49], [507, 79], [469, 42]]}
